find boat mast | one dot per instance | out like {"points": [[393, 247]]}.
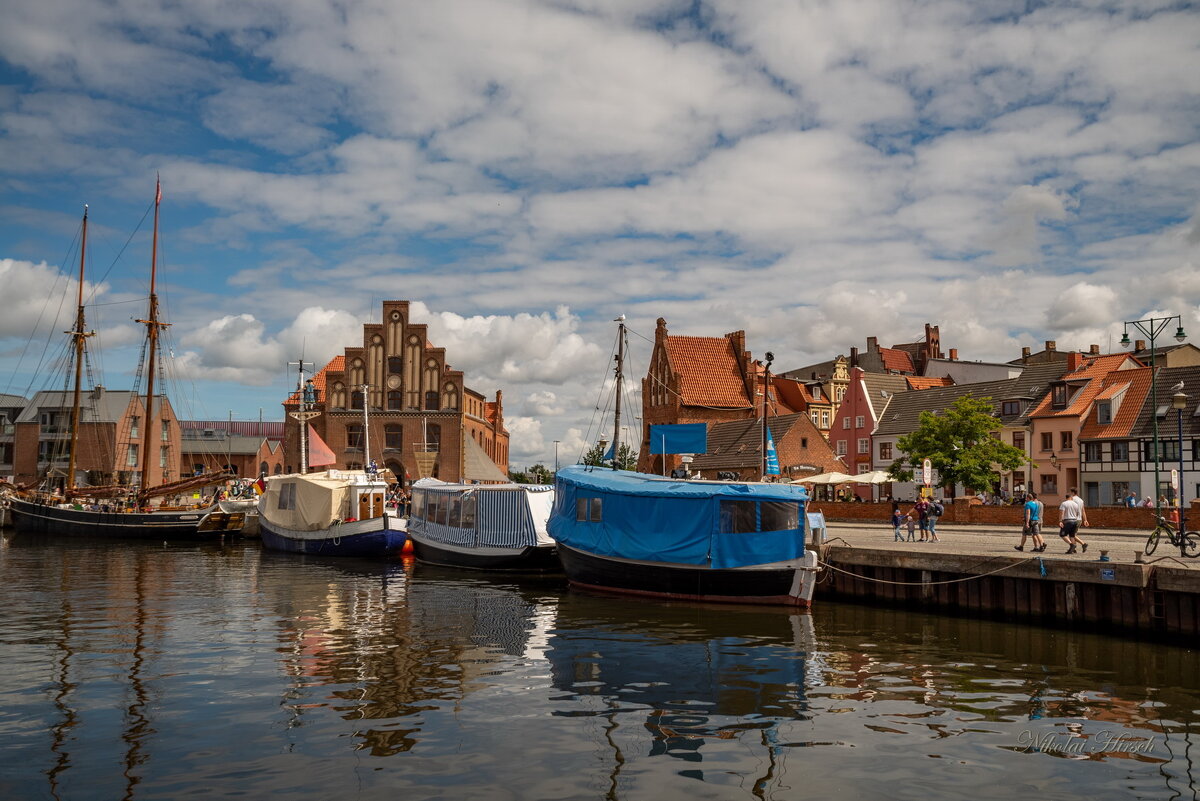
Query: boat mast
{"points": [[766, 395], [79, 335], [366, 441], [152, 325], [305, 398], [620, 359]]}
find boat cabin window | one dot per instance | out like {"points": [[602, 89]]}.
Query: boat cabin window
{"points": [[779, 515], [739, 517], [287, 496], [588, 509], [455, 512], [468, 510], [744, 517], [431, 508]]}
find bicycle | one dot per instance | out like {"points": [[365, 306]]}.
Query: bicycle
{"points": [[1188, 542]]}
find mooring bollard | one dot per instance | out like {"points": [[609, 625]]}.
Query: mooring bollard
{"points": [[1138, 558], [1104, 556]]}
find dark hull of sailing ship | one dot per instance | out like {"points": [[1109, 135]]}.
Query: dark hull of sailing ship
{"points": [[30, 517]]}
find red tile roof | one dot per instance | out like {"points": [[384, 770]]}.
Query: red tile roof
{"points": [[1136, 385], [708, 371], [928, 382], [896, 360], [1092, 369]]}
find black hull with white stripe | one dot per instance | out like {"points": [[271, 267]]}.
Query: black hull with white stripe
{"points": [[201, 524]]}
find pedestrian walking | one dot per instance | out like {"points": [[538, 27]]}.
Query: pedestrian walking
{"points": [[912, 528], [936, 510], [1033, 524], [1071, 515], [921, 510]]}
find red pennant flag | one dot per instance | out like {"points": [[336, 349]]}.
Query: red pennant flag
{"points": [[157, 191], [319, 453]]}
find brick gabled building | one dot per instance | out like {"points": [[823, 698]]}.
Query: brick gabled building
{"points": [[736, 446], [695, 380], [860, 412], [417, 402]]}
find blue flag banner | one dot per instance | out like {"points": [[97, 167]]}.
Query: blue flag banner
{"points": [[609, 453], [772, 456], [681, 438]]}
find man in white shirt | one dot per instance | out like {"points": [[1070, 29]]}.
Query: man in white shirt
{"points": [[1070, 515]]}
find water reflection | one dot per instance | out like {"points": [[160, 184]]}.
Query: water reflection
{"points": [[148, 672]]}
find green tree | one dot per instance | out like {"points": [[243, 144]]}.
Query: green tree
{"points": [[962, 445], [626, 456], [539, 474]]}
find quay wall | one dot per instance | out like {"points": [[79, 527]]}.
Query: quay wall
{"points": [[1009, 516], [1145, 600]]}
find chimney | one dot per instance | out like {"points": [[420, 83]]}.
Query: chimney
{"points": [[872, 344], [1074, 362], [854, 357], [1024, 354], [1139, 345], [1051, 344], [954, 354], [1094, 350]]}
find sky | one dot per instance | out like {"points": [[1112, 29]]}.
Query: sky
{"points": [[524, 171]]}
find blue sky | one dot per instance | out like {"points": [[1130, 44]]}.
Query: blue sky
{"points": [[814, 173]]}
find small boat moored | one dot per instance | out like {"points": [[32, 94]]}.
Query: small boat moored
{"points": [[330, 513], [482, 526], [640, 534]]}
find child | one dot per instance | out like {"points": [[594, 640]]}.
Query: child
{"points": [[912, 528], [897, 521]]}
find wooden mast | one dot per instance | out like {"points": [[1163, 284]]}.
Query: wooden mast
{"points": [[152, 325], [620, 370], [79, 335]]}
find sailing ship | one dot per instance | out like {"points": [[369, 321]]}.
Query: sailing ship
{"points": [[332, 512], [119, 510], [482, 526], [641, 534]]}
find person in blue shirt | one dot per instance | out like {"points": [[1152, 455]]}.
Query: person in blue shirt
{"points": [[1033, 524]]}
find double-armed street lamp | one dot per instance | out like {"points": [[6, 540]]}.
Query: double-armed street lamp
{"points": [[1179, 402], [1151, 328]]}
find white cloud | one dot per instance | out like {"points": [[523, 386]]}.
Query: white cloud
{"points": [[1081, 305], [503, 349]]}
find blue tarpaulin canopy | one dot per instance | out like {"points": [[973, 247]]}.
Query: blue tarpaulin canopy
{"points": [[639, 516], [681, 438]]}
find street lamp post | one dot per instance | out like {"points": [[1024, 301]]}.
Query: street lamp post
{"points": [[556, 456], [1152, 327], [1179, 403]]}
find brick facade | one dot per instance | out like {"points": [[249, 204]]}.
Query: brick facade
{"points": [[413, 393]]}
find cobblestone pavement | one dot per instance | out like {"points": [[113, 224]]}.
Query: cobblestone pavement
{"points": [[1121, 544]]}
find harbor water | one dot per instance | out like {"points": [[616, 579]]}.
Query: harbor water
{"points": [[155, 671]]}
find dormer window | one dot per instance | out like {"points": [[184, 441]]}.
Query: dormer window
{"points": [[1104, 412], [1010, 408], [1059, 396]]}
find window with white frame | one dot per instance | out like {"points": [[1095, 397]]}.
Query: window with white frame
{"points": [[846, 422], [858, 421], [841, 447], [864, 445]]}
